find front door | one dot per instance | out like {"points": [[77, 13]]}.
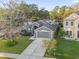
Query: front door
{"points": [[78, 34]]}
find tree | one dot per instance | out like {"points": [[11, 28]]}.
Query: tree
{"points": [[62, 33], [33, 11], [2, 12], [54, 13], [43, 14], [13, 16], [60, 13], [69, 11]]}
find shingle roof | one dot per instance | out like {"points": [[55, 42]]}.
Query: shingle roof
{"points": [[52, 26]]}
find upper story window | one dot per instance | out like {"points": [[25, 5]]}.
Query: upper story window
{"points": [[71, 23], [66, 23]]}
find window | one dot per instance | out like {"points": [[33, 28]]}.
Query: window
{"points": [[69, 33], [66, 23], [71, 23], [35, 27]]}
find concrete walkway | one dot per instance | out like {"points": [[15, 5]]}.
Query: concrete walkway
{"points": [[35, 50], [9, 55]]}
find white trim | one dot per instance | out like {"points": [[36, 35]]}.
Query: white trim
{"points": [[50, 34]]}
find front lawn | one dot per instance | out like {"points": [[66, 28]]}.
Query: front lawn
{"points": [[5, 58], [23, 42], [65, 49]]}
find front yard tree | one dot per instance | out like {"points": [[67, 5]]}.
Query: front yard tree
{"points": [[10, 7], [13, 16]]}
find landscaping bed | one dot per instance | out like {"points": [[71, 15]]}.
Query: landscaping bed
{"points": [[65, 49], [22, 43]]}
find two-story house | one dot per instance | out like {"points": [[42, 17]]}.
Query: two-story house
{"points": [[71, 26]]}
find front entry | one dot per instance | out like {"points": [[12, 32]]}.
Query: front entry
{"points": [[78, 34]]}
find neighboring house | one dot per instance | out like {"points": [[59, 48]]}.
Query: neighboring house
{"points": [[44, 29], [71, 26]]}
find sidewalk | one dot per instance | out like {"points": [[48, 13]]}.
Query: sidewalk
{"points": [[34, 51], [9, 55]]}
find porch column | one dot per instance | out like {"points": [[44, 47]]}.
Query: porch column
{"points": [[51, 35]]}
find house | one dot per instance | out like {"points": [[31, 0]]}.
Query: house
{"points": [[71, 26], [44, 29]]}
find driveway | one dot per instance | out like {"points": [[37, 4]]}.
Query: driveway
{"points": [[35, 50]]}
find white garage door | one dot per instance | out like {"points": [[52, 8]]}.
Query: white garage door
{"points": [[44, 34]]}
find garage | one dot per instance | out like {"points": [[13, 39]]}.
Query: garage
{"points": [[43, 32]]}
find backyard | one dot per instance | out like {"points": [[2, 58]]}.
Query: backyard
{"points": [[22, 43], [65, 49]]}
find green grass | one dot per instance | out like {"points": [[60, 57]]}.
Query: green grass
{"points": [[5, 58], [66, 49], [23, 42]]}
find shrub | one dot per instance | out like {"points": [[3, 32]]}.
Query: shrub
{"points": [[25, 33], [11, 43], [62, 33]]}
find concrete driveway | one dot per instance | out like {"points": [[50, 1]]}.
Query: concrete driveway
{"points": [[35, 50]]}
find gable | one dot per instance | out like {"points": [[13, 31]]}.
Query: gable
{"points": [[35, 24], [72, 17], [43, 28]]}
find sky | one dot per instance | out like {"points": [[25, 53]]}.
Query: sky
{"points": [[47, 4], [50, 4]]}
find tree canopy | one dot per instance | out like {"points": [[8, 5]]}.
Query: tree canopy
{"points": [[59, 13]]}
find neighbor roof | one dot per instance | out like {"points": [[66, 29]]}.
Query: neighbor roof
{"points": [[73, 17]]}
